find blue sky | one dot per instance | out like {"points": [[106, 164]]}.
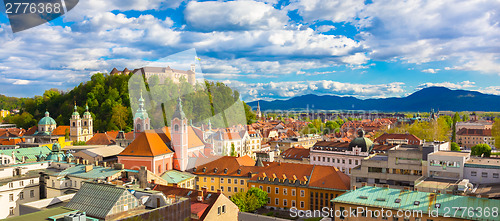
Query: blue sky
{"points": [[268, 49]]}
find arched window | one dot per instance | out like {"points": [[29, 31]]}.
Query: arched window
{"points": [[159, 168], [73, 124], [85, 123], [138, 127], [176, 127]]}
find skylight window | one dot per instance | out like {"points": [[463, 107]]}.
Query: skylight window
{"points": [[416, 203], [397, 200], [438, 205]]}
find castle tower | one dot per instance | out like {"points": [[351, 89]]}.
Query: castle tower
{"points": [[141, 118], [75, 125], [179, 134], [87, 125]]}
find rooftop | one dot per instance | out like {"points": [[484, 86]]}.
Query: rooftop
{"points": [[174, 176], [45, 214], [396, 199], [450, 153]]}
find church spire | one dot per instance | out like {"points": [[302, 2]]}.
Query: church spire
{"points": [[179, 113]]}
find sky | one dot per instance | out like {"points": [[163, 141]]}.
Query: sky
{"points": [[267, 49]]}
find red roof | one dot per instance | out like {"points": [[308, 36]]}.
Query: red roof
{"points": [[474, 132], [147, 143], [101, 139], [296, 153]]}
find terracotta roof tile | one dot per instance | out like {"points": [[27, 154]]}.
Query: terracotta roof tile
{"points": [[30, 131], [243, 164], [295, 153], [474, 132], [147, 143], [100, 139], [60, 130]]}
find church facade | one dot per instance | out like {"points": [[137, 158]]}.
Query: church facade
{"points": [[163, 149], [81, 129]]}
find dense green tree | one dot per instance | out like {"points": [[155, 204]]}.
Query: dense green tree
{"points": [[24, 120], [233, 150], [120, 116], [481, 150], [495, 132], [259, 194], [456, 118], [454, 147], [251, 200]]}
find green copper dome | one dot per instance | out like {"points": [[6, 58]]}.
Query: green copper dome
{"points": [[47, 120], [361, 141]]}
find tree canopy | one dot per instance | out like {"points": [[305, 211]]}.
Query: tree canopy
{"points": [[251, 200], [480, 149]]}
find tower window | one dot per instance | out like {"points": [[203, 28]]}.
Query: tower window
{"points": [[73, 124], [85, 123], [176, 127]]}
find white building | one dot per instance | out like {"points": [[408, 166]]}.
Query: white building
{"points": [[482, 170], [168, 73], [19, 184], [447, 164]]}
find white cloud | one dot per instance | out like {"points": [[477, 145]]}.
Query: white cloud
{"points": [[431, 70], [333, 10], [21, 82], [425, 31], [233, 15], [490, 90], [459, 85], [326, 28], [288, 89]]}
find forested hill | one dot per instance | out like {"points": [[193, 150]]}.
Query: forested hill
{"points": [[107, 97]]}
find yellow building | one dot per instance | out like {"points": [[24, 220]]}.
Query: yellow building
{"points": [[229, 174], [300, 186], [4, 113]]}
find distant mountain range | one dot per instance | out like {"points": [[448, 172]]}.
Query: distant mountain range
{"points": [[437, 98]]}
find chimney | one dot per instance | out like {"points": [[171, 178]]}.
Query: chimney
{"points": [[407, 188], [143, 175], [353, 187], [219, 191], [386, 186], [363, 184], [119, 166], [204, 189], [77, 161], [88, 168], [200, 196], [104, 164]]}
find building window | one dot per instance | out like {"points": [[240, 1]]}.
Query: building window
{"points": [[11, 197], [260, 187], [219, 210], [212, 179], [473, 173], [301, 204], [11, 211], [223, 208], [235, 181], [277, 190], [285, 191], [229, 181], [495, 175], [222, 188], [484, 174], [268, 200], [285, 202], [293, 192], [302, 193], [222, 180], [293, 203], [228, 189], [11, 185], [32, 193], [268, 189], [21, 183], [242, 182], [204, 179], [277, 201], [212, 188], [21, 195], [235, 189]]}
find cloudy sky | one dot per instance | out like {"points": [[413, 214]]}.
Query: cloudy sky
{"points": [[268, 49]]}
